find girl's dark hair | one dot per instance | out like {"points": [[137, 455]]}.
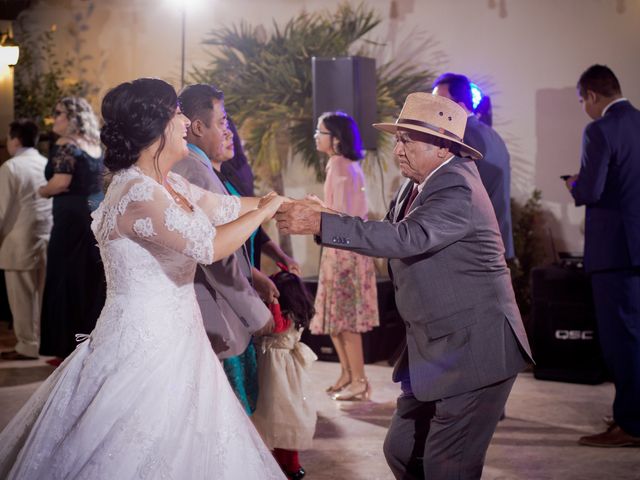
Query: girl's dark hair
{"points": [[135, 115], [295, 300], [344, 128]]}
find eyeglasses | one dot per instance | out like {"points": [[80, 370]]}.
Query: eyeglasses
{"points": [[322, 132], [57, 113]]}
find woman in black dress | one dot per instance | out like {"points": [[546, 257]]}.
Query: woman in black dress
{"points": [[75, 285]]}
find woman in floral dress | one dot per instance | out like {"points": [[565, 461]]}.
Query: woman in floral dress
{"points": [[346, 302]]}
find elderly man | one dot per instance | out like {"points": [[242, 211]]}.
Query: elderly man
{"points": [[465, 338], [25, 225]]}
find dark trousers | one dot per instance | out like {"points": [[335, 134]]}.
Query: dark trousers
{"points": [[446, 438], [616, 296]]}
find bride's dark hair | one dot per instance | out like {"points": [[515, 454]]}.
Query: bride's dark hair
{"points": [[135, 115]]}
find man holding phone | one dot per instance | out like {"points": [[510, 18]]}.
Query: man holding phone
{"points": [[609, 185]]}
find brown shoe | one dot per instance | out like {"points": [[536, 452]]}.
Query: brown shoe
{"points": [[13, 355], [614, 437]]}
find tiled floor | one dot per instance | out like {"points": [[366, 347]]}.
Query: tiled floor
{"points": [[536, 441]]}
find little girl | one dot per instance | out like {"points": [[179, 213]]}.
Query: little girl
{"points": [[284, 415]]}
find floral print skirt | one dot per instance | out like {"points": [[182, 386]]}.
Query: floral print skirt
{"points": [[347, 296]]}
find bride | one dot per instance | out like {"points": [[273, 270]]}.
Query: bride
{"points": [[144, 396]]}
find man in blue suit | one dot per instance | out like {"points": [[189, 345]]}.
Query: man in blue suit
{"points": [[609, 185], [494, 168]]}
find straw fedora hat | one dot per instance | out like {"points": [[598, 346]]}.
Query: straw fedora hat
{"points": [[436, 116]]}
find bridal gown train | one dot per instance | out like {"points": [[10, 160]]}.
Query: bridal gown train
{"points": [[143, 396]]}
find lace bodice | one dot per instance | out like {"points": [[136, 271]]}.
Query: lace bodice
{"points": [[138, 209]]}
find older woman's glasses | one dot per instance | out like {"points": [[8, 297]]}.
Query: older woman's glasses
{"points": [[57, 113], [322, 132]]}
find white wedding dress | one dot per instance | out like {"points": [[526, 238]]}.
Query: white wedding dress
{"points": [[144, 396]]}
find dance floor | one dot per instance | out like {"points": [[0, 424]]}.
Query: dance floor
{"points": [[536, 441]]}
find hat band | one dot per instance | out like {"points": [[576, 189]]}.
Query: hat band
{"points": [[430, 126]]}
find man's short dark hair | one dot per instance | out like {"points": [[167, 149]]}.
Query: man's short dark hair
{"points": [[196, 101], [599, 79], [25, 131], [459, 88]]}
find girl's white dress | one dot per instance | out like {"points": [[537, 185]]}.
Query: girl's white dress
{"points": [[285, 413], [144, 396]]}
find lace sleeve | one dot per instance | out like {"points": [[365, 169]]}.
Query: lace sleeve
{"points": [[64, 160], [219, 208], [151, 218]]}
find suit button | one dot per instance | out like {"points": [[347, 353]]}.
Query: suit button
{"points": [[348, 242], [334, 239]]}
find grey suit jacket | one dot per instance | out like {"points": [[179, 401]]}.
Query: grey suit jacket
{"points": [[453, 288], [231, 308]]}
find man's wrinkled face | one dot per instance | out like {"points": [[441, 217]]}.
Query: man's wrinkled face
{"points": [[416, 157]]}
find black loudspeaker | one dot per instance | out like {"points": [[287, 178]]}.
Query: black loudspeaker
{"points": [[564, 330], [347, 84], [378, 344]]}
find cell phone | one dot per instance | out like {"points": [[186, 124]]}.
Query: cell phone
{"points": [[565, 177]]}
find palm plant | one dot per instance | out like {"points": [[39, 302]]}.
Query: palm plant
{"points": [[267, 81], [268, 85]]}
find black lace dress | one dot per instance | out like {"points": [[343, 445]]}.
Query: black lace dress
{"points": [[74, 291]]}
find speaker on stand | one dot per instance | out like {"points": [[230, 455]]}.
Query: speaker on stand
{"points": [[347, 84]]}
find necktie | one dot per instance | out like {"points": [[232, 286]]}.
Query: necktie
{"points": [[407, 204]]}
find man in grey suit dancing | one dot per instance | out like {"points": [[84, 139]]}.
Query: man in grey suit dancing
{"points": [[465, 338]]}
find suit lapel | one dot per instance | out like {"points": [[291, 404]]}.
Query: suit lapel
{"points": [[403, 195]]}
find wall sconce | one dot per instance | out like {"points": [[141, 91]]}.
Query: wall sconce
{"points": [[9, 50]]}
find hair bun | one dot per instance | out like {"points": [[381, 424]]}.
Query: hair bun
{"points": [[119, 148], [135, 114]]}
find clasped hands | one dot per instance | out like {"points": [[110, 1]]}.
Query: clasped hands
{"points": [[293, 216]]}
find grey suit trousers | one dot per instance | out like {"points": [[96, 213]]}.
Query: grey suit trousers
{"points": [[444, 439]]}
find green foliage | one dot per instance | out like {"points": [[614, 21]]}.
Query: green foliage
{"points": [[268, 85], [528, 226], [42, 77]]}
